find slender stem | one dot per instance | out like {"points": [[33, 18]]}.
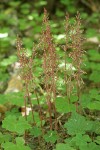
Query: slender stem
{"points": [[25, 102], [50, 114], [40, 110], [28, 96]]}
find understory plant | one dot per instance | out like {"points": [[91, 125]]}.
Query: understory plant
{"points": [[49, 67], [58, 120]]}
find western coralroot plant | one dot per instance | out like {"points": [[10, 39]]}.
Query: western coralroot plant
{"points": [[26, 72], [73, 43], [49, 66], [77, 54], [27, 76], [73, 48]]}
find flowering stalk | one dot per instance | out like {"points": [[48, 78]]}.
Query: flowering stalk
{"points": [[68, 77], [26, 73], [49, 66], [77, 54]]}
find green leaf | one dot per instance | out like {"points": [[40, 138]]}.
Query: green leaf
{"points": [[14, 124], [63, 106], [91, 33], [85, 100], [14, 3], [62, 146], [94, 76], [13, 98], [94, 93], [94, 105], [96, 127], [51, 136], [13, 112], [4, 137], [93, 66], [74, 98], [36, 118], [17, 146], [36, 131], [8, 146], [93, 55], [81, 140], [77, 124], [90, 146], [97, 140], [9, 61], [20, 141]]}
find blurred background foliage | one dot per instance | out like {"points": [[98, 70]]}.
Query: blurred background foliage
{"points": [[24, 17]]}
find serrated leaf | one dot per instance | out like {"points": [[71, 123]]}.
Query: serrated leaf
{"points": [[94, 94], [94, 105], [13, 112], [62, 146], [14, 124], [8, 146], [51, 136], [4, 137], [12, 146], [36, 131], [85, 100], [94, 76], [73, 98], [96, 127], [77, 124], [12, 98], [97, 140], [90, 146], [91, 33], [63, 106], [9, 61], [94, 54], [20, 141], [81, 140]]}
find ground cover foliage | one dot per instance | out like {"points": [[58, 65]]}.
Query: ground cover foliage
{"points": [[60, 84]]}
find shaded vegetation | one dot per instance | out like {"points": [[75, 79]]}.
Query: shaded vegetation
{"points": [[55, 76]]}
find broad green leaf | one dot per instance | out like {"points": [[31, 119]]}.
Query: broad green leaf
{"points": [[51, 136], [93, 55], [90, 146], [94, 76], [94, 93], [93, 66], [81, 140], [85, 100], [36, 131], [78, 141], [77, 124], [74, 98], [9, 61], [13, 112], [91, 32], [62, 146], [4, 137], [95, 127], [12, 98], [97, 140], [14, 124], [8, 146], [94, 105], [12, 146], [20, 141], [63, 106]]}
